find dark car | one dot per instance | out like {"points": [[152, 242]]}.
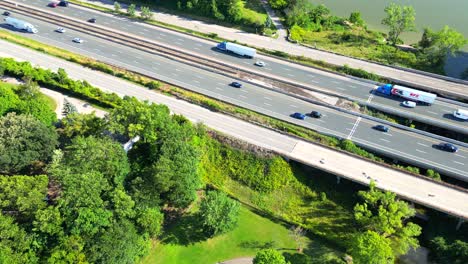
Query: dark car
{"points": [[6, 13], [52, 4], [315, 114], [236, 84], [63, 3], [298, 115], [381, 128], [448, 147], [92, 20]]}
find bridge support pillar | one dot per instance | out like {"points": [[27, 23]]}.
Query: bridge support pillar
{"points": [[460, 222], [338, 179]]}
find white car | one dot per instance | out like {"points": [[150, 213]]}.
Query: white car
{"points": [[60, 30], [77, 40], [409, 104], [260, 63]]}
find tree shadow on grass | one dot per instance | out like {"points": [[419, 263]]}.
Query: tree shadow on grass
{"points": [[254, 244], [186, 231]]}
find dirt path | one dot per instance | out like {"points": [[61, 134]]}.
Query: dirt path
{"points": [[238, 261]]}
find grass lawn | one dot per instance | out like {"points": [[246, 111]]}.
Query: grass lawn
{"points": [[50, 101], [253, 233]]}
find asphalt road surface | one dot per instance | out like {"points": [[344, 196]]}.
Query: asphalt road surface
{"points": [[440, 111], [398, 143], [415, 189]]}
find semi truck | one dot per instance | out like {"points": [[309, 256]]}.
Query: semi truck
{"points": [[407, 93], [237, 49], [20, 24]]}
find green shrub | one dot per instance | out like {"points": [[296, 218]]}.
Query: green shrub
{"points": [[433, 175]]}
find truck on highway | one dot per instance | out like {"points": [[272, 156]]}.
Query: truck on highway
{"points": [[237, 49], [20, 24], [407, 93], [461, 114]]}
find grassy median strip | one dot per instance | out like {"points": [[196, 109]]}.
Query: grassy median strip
{"points": [[82, 90]]}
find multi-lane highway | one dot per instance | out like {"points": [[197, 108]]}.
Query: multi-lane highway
{"points": [[434, 195], [398, 143], [439, 114]]}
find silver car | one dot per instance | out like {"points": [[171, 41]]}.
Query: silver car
{"points": [[60, 30], [77, 40], [260, 63]]}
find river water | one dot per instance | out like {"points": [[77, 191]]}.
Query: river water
{"points": [[429, 13]]}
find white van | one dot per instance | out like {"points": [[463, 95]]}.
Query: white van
{"points": [[461, 114]]}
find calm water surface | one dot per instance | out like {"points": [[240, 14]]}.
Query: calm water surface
{"points": [[429, 13]]}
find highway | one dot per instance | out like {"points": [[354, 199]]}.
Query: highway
{"points": [[416, 189], [399, 144], [439, 114]]}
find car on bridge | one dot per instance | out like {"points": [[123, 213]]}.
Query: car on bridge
{"points": [[6, 13], [77, 40], [63, 3], [298, 115], [448, 147], [409, 104], [92, 20], [236, 84], [60, 30], [53, 4], [315, 114], [260, 63], [381, 128]]}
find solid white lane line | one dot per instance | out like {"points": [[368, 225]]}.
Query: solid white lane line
{"points": [[459, 163]]}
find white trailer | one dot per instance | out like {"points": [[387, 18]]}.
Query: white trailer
{"points": [[237, 49], [461, 114], [20, 24], [407, 93]]}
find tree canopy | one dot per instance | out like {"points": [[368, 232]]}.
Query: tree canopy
{"points": [[399, 19], [219, 213], [383, 214], [23, 141], [371, 248]]}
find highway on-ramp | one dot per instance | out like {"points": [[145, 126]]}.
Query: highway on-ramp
{"points": [[439, 114], [401, 145], [416, 189]]}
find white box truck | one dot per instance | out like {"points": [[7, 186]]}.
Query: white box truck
{"points": [[407, 93], [237, 49], [20, 24]]}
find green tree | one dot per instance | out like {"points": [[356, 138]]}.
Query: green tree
{"points": [[84, 125], [298, 14], [97, 154], [371, 248], [383, 214], [22, 196], [449, 253], [278, 4], [150, 221], [356, 19], [117, 7], [135, 118], [24, 141], [29, 89], [16, 246], [118, 244], [83, 204], [399, 19], [69, 249], [146, 13], [218, 213], [131, 10], [269, 256], [437, 45]]}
